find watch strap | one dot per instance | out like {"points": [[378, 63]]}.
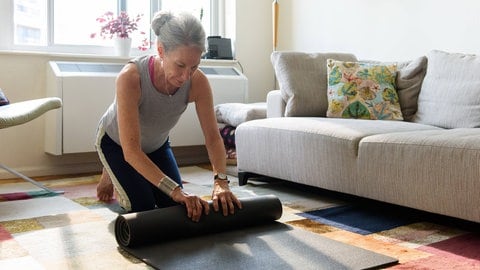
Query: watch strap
{"points": [[221, 176]]}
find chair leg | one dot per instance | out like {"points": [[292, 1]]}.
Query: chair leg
{"points": [[28, 179]]}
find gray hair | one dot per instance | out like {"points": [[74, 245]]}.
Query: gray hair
{"points": [[175, 30]]}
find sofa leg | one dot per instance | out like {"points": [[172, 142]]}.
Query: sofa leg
{"points": [[243, 178]]}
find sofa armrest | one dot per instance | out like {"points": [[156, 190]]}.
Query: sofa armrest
{"points": [[275, 104]]}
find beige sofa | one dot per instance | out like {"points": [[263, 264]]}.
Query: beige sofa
{"points": [[429, 161]]}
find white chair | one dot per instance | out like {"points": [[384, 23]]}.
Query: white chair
{"points": [[18, 113]]}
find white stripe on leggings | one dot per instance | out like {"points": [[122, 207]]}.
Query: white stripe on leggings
{"points": [[123, 200]]}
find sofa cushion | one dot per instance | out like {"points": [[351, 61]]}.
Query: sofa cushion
{"points": [[450, 93], [302, 78], [409, 82], [296, 148], [404, 167], [362, 90]]}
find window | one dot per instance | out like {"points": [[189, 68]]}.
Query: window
{"points": [[30, 25], [74, 21], [66, 25]]}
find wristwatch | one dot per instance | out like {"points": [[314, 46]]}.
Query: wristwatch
{"points": [[220, 176]]}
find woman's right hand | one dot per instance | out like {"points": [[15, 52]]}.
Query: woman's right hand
{"points": [[194, 204]]}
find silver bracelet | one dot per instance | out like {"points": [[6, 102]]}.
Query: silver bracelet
{"points": [[167, 185]]}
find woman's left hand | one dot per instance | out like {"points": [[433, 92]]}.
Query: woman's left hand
{"points": [[222, 195]]}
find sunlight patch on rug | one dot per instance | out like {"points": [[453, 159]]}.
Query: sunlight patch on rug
{"points": [[418, 234], [368, 242], [14, 210]]}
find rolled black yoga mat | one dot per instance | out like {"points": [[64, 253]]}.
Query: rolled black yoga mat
{"points": [[165, 224]]}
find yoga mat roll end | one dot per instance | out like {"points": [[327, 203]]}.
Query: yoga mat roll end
{"points": [[122, 231]]}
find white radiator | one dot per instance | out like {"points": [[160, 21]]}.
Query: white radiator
{"points": [[87, 89], [228, 85]]}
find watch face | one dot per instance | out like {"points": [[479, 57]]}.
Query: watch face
{"points": [[221, 176]]}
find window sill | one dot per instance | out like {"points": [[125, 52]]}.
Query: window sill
{"points": [[64, 55], [209, 62]]}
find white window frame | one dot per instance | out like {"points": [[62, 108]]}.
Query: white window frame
{"points": [[7, 31]]}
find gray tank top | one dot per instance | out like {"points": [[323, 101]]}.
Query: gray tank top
{"points": [[158, 112]]}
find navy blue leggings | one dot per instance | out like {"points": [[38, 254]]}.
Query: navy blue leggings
{"points": [[142, 194]]}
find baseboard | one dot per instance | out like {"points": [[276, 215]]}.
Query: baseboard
{"points": [[190, 155], [40, 171], [185, 156]]}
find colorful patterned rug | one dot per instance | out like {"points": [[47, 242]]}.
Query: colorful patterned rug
{"points": [[26, 195], [21, 190], [430, 242], [75, 231]]}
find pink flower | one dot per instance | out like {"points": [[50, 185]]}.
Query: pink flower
{"points": [[121, 26], [145, 45]]}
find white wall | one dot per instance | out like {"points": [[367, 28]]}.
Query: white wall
{"points": [[380, 29], [254, 45]]}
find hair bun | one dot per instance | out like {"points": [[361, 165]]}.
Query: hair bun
{"points": [[159, 20]]}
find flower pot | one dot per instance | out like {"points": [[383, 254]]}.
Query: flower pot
{"points": [[122, 46]]}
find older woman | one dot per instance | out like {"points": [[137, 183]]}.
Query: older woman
{"points": [[152, 92]]}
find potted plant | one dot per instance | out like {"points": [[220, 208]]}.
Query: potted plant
{"points": [[119, 28]]}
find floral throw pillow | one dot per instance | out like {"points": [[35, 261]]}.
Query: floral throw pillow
{"points": [[362, 90]]}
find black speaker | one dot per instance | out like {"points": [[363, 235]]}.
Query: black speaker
{"points": [[219, 48]]}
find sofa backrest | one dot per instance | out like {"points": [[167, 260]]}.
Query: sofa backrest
{"points": [[441, 89], [450, 93], [302, 78], [409, 82]]}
